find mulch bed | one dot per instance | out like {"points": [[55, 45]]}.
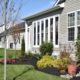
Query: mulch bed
{"points": [[53, 71]]}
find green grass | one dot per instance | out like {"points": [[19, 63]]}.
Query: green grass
{"points": [[10, 53], [25, 72]]}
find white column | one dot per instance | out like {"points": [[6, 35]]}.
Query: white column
{"points": [[75, 28], [29, 40], [40, 33], [44, 30], [48, 29], [36, 32], [26, 37], [54, 31]]}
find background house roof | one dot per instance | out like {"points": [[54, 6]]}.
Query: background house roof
{"points": [[20, 27]]}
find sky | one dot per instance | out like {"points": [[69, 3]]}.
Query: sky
{"points": [[31, 7]]}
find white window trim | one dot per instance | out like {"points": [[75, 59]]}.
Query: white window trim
{"points": [[43, 19], [76, 26]]}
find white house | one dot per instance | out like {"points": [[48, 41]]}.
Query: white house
{"points": [[9, 37], [59, 25]]}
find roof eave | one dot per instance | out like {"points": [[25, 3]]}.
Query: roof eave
{"points": [[43, 12]]}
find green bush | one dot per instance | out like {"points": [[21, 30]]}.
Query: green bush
{"points": [[46, 48], [45, 61], [78, 48], [30, 54], [23, 48], [49, 61]]}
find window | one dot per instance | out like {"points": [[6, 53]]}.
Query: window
{"points": [[78, 18], [11, 45], [71, 19], [46, 33], [0, 38], [56, 30], [78, 30], [51, 29], [38, 34], [42, 31], [71, 26], [34, 33], [71, 34]]}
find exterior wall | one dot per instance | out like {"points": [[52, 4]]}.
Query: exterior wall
{"points": [[29, 33], [70, 5], [1, 29]]}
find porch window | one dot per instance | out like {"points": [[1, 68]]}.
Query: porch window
{"points": [[51, 29], [34, 33], [38, 33], [42, 31], [56, 30], [46, 35]]}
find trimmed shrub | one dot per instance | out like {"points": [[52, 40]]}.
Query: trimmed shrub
{"points": [[46, 48], [23, 48]]}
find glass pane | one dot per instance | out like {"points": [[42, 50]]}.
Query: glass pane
{"points": [[79, 30], [51, 29], [34, 33], [71, 34], [42, 31], [71, 19], [56, 31], [78, 17], [46, 30], [38, 30]]}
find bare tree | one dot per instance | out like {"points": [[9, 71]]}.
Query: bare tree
{"points": [[15, 32], [9, 11]]}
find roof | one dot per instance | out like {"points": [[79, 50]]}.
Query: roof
{"points": [[43, 12]]}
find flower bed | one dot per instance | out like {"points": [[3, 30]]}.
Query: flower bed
{"points": [[9, 61]]}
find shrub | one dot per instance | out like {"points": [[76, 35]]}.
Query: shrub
{"points": [[46, 48], [23, 47], [45, 61], [49, 61], [78, 48], [30, 54], [61, 63]]}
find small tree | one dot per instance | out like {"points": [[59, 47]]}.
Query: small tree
{"points": [[78, 47], [15, 32], [46, 48], [23, 47]]}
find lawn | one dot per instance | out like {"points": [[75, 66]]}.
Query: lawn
{"points": [[10, 53], [25, 72]]}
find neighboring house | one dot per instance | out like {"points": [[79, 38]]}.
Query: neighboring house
{"points": [[59, 25], [10, 40]]}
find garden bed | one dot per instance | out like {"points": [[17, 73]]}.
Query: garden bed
{"points": [[51, 70]]}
